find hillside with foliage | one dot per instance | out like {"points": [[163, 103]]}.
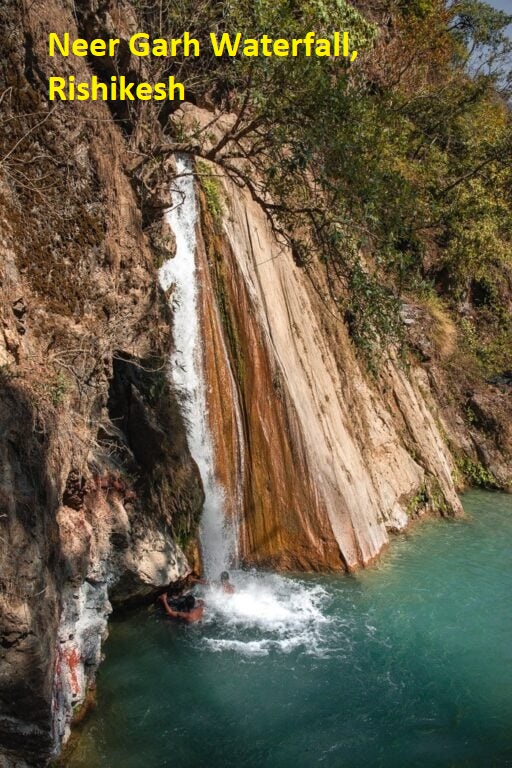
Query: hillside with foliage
{"points": [[395, 170]]}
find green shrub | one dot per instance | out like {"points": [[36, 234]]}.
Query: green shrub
{"points": [[476, 474], [212, 193]]}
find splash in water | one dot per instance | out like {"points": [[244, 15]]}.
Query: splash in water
{"points": [[267, 612]]}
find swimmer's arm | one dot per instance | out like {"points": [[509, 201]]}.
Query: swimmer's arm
{"points": [[194, 615], [168, 609], [185, 616]]}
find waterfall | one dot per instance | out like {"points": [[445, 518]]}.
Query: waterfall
{"points": [[179, 278]]}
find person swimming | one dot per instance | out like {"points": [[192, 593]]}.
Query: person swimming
{"points": [[186, 608], [225, 583]]}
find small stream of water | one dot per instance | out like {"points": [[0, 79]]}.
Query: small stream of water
{"points": [[407, 664]]}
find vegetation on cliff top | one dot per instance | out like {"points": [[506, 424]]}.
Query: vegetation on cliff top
{"points": [[396, 170]]}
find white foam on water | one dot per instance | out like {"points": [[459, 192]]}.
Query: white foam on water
{"points": [[247, 648], [267, 612]]}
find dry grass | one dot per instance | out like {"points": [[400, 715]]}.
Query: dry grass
{"points": [[444, 329]]}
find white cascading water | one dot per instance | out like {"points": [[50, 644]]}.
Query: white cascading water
{"points": [[179, 276], [267, 612]]}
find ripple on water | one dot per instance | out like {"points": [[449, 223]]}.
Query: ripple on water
{"points": [[405, 664]]}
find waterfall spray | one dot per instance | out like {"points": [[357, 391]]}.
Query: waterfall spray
{"points": [[179, 277]]}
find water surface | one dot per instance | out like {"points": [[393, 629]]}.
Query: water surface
{"points": [[406, 664]]}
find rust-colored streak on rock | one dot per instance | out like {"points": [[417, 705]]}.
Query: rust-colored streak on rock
{"points": [[221, 389], [284, 523]]}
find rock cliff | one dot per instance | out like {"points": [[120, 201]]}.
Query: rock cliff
{"points": [[333, 461], [99, 496], [96, 480]]}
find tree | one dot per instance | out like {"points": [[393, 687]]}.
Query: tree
{"points": [[370, 167]]}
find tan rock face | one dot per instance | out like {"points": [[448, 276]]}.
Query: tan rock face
{"points": [[282, 521], [330, 463], [96, 481]]}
